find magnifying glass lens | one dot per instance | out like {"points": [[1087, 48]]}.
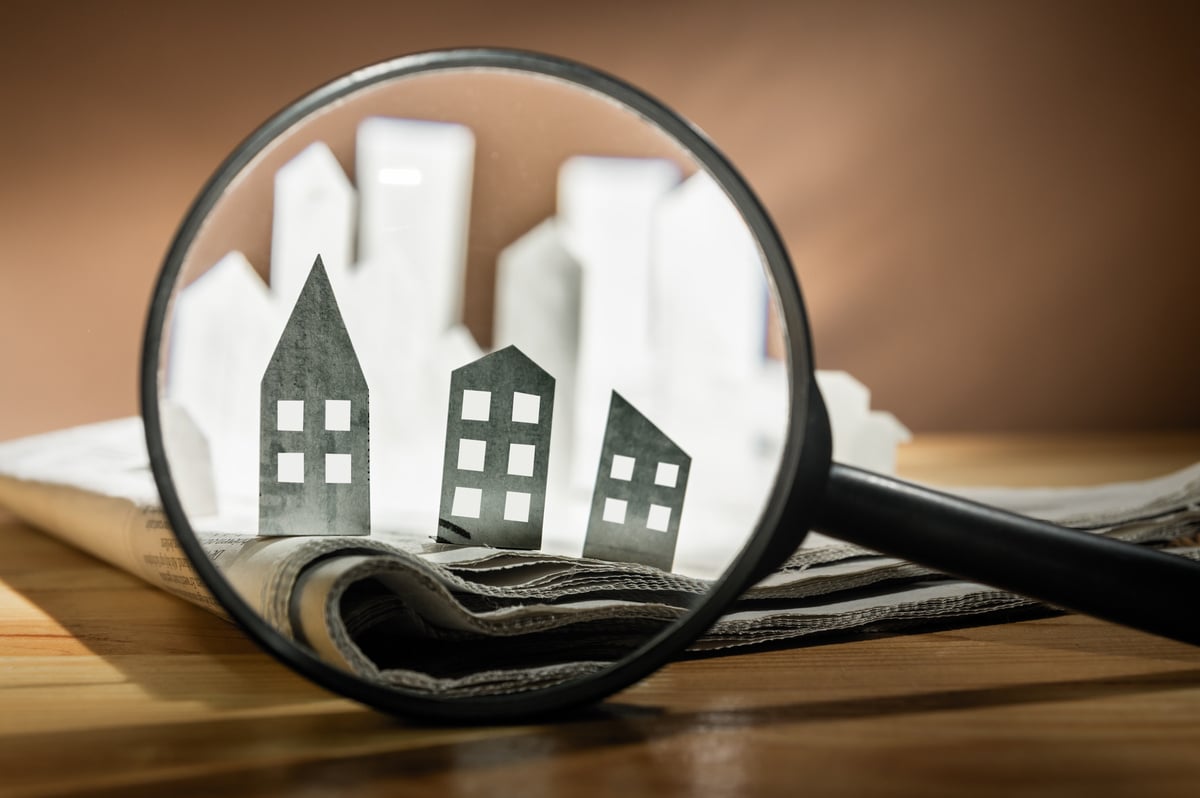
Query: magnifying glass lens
{"points": [[469, 379]]}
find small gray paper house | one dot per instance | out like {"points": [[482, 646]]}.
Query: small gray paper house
{"points": [[639, 491], [314, 428], [497, 452]]}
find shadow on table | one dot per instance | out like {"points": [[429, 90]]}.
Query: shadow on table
{"points": [[164, 645], [347, 749]]}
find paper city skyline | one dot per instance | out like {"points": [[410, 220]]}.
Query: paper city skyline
{"points": [[314, 470], [681, 334]]}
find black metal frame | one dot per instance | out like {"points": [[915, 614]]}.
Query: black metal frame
{"points": [[1119, 582], [805, 461]]}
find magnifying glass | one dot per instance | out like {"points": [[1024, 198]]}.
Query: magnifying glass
{"points": [[477, 384]]}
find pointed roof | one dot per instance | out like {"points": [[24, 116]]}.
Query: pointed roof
{"points": [[627, 423], [510, 360], [315, 341]]}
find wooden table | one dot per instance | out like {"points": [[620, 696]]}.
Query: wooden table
{"points": [[109, 686]]}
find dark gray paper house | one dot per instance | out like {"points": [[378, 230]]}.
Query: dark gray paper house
{"points": [[639, 492], [314, 426]]}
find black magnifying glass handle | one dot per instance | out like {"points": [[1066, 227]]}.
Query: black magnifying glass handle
{"points": [[1074, 570]]}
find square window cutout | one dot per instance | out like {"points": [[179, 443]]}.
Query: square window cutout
{"points": [[470, 454], [516, 506], [666, 475], [614, 510], [476, 405], [520, 459], [659, 518], [622, 467], [526, 407], [337, 469], [466, 502], [289, 415], [290, 467], [337, 415]]}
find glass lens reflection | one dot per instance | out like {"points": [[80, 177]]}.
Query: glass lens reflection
{"points": [[491, 393]]}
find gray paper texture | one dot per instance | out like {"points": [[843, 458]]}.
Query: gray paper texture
{"points": [[314, 424], [497, 455], [639, 492]]}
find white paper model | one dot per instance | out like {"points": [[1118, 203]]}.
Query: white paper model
{"points": [[639, 493], [314, 213], [497, 452], [414, 185], [606, 217], [314, 430], [225, 325]]}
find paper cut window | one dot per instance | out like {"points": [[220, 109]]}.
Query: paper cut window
{"points": [[614, 510], [290, 467], [470, 454], [516, 506], [667, 475], [659, 518], [622, 467], [526, 407], [337, 468], [476, 405], [337, 415], [466, 502], [520, 459], [289, 415]]}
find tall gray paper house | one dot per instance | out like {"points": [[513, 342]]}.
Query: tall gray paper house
{"points": [[639, 491], [314, 475], [497, 452]]}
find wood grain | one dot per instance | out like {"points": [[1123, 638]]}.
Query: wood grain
{"points": [[107, 686]]}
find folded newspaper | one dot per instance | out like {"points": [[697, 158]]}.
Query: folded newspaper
{"points": [[360, 601]]}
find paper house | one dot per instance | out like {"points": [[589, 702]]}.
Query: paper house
{"points": [[497, 452], [639, 492], [314, 429]]}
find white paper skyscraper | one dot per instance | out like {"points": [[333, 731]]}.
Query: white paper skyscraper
{"points": [[606, 210], [709, 320], [414, 186], [314, 216], [225, 326]]}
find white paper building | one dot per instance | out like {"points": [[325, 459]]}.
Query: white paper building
{"points": [[314, 214], [224, 328], [709, 291], [414, 184], [606, 214]]}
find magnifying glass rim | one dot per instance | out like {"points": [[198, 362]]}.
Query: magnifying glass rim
{"points": [[781, 510]]}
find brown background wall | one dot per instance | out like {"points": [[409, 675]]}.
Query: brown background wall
{"points": [[992, 208]]}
